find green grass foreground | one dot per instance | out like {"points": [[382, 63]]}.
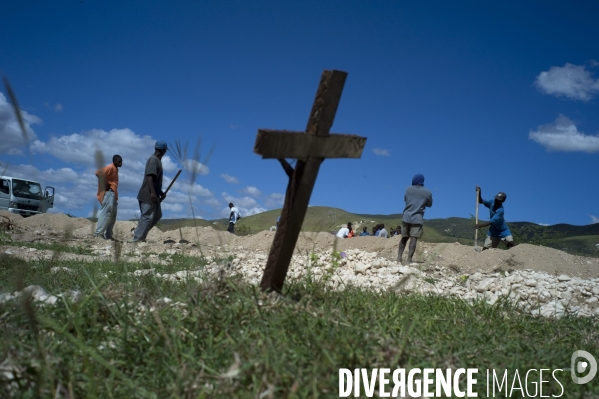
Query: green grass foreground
{"points": [[225, 339]]}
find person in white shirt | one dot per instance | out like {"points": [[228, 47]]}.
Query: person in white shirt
{"points": [[383, 232], [233, 218], [344, 231]]}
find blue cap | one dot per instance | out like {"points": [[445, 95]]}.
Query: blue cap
{"points": [[161, 145], [418, 180]]}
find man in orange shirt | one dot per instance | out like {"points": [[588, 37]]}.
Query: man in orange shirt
{"points": [[108, 182]]}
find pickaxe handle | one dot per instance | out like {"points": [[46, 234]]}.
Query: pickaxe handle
{"points": [[476, 219], [173, 182]]}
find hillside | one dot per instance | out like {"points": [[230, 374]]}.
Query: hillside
{"points": [[579, 240]]}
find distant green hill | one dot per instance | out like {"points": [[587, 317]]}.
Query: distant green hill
{"points": [[578, 240], [174, 224]]}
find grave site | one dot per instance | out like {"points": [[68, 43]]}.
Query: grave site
{"points": [[197, 312]]}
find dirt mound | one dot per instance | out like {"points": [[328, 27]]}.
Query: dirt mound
{"points": [[48, 221], [520, 257], [460, 258], [122, 231], [14, 218]]}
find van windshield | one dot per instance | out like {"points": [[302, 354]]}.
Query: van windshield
{"points": [[26, 189]]}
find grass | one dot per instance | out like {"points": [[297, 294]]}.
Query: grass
{"points": [[222, 338]]}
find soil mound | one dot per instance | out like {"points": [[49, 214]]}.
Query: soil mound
{"points": [[48, 221], [460, 258], [13, 217]]}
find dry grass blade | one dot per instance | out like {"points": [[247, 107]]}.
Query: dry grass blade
{"points": [[180, 154], [15, 104]]}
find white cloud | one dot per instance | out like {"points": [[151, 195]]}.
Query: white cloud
{"points": [[196, 189], [170, 207], [229, 178], [80, 148], [562, 135], [167, 163], [194, 167], [212, 202], [275, 200], [251, 190], [381, 152], [58, 107], [572, 81], [10, 131], [49, 176], [594, 219]]}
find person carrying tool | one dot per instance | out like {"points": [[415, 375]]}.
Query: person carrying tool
{"points": [[498, 230], [150, 194], [417, 199]]}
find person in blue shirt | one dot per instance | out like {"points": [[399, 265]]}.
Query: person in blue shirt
{"points": [[364, 232], [375, 229], [417, 199], [498, 230]]}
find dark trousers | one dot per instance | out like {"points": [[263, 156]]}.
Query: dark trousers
{"points": [[231, 228]]}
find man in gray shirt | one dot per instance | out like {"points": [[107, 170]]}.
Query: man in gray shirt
{"points": [[150, 194], [417, 199]]}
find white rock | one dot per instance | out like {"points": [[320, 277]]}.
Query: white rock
{"points": [[143, 272], [38, 293], [485, 284], [531, 283], [6, 297], [361, 267], [58, 269], [163, 301], [551, 309], [592, 301], [563, 277]]}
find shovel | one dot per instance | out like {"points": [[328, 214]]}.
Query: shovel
{"points": [[476, 247]]}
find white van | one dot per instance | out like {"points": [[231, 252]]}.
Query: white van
{"points": [[24, 197]]}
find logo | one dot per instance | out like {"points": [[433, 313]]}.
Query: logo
{"points": [[580, 367]]}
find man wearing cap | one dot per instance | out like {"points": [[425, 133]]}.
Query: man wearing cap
{"points": [[417, 199], [150, 194], [108, 182], [498, 230]]}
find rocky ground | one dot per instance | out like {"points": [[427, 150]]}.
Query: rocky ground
{"points": [[541, 280]]}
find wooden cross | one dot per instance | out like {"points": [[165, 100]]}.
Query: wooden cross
{"points": [[310, 148]]}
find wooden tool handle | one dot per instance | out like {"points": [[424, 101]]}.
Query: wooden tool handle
{"points": [[476, 218], [172, 182]]}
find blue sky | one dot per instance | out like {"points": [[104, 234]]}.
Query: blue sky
{"points": [[504, 95]]}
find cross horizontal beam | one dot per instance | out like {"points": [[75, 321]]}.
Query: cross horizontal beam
{"points": [[299, 145]]}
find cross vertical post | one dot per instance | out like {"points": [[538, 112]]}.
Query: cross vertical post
{"points": [[310, 148]]}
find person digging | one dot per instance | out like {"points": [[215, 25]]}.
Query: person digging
{"points": [[498, 230]]}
